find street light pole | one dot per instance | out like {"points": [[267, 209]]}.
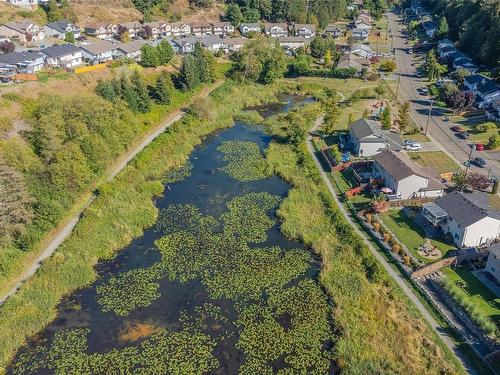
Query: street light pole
{"points": [[470, 157], [429, 117]]}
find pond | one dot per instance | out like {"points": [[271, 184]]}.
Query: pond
{"points": [[214, 287]]}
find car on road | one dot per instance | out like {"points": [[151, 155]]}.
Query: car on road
{"points": [[456, 129], [408, 142], [413, 147], [480, 162], [462, 135], [479, 147]]}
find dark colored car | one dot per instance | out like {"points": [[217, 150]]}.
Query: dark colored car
{"points": [[462, 135], [480, 162], [456, 128]]}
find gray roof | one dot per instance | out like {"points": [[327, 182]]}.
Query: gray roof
{"points": [[132, 46], [467, 209], [98, 47], [250, 25], [363, 128], [235, 41], [210, 40], [61, 25], [19, 57], [60, 50], [399, 166], [495, 250]]}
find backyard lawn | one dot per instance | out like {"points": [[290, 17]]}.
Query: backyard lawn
{"points": [[478, 294], [435, 160], [410, 234], [343, 180]]}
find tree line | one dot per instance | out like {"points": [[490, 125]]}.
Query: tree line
{"points": [[474, 24]]}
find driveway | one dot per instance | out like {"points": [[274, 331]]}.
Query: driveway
{"points": [[438, 131]]}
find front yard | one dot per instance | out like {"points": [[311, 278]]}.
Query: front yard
{"points": [[410, 234], [435, 160]]}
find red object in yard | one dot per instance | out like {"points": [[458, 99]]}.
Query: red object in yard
{"points": [[479, 147]]}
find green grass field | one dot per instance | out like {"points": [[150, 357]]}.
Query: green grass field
{"points": [[410, 234], [476, 292], [435, 160]]}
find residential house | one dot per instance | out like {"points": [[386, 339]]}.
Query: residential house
{"points": [[334, 31], [102, 30], [360, 34], [130, 50], [99, 51], [7, 73], [492, 111], [472, 219], [180, 29], [201, 28], [31, 4], [360, 24], [234, 44], [304, 30], [213, 43], [348, 60], [429, 28], [493, 262], [249, 28], [362, 50], [22, 32], [185, 44], [404, 177], [165, 28], [222, 28], [446, 50], [59, 29], [155, 27], [276, 30], [367, 138], [485, 89], [133, 29], [292, 42], [63, 56], [23, 62]]}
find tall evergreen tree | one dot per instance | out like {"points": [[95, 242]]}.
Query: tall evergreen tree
{"points": [[189, 75], [129, 94], [149, 56], [162, 93], [144, 103], [165, 52]]}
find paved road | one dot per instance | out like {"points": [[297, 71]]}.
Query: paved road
{"points": [[65, 230], [399, 279], [439, 131]]}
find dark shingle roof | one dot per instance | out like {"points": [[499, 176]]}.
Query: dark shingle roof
{"points": [[60, 25], [60, 50], [467, 209], [19, 57]]}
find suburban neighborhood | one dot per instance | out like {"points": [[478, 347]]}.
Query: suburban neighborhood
{"points": [[380, 120]]}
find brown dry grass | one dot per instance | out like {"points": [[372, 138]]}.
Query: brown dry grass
{"points": [[10, 12]]}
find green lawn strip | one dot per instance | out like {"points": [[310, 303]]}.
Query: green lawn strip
{"points": [[483, 298], [435, 160], [410, 233], [419, 137], [119, 214]]}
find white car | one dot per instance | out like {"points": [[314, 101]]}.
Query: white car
{"points": [[413, 147]]}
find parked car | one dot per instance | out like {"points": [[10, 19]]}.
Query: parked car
{"points": [[480, 162], [462, 135], [456, 129], [414, 147], [479, 147], [424, 91]]}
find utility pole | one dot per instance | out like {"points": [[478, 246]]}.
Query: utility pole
{"points": [[399, 83], [429, 117], [470, 157]]}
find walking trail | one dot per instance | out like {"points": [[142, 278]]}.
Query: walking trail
{"points": [[59, 234], [398, 278]]}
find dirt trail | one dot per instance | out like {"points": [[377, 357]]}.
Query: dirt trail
{"points": [[58, 235]]}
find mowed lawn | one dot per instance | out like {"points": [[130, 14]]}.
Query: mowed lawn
{"points": [[435, 160], [410, 234], [477, 293]]}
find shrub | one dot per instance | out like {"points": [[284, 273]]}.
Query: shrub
{"points": [[387, 237], [377, 226], [396, 248], [485, 126]]}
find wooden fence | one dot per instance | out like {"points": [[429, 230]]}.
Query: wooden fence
{"points": [[25, 77], [411, 202], [433, 267]]}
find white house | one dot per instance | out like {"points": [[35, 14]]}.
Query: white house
{"points": [[132, 28], [98, 51], [493, 262], [102, 30], [212, 42], [334, 31], [23, 62], [471, 219], [293, 42], [367, 138], [31, 4], [180, 29], [276, 30], [222, 28], [305, 30], [404, 177], [63, 56], [360, 34], [247, 28], [362, 50], [59, 29], [234, 44], [185, 44], [22, 32], [485, 89]]}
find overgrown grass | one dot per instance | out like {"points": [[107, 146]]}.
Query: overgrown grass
{"points": [[119, 214], [377, 331]]}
